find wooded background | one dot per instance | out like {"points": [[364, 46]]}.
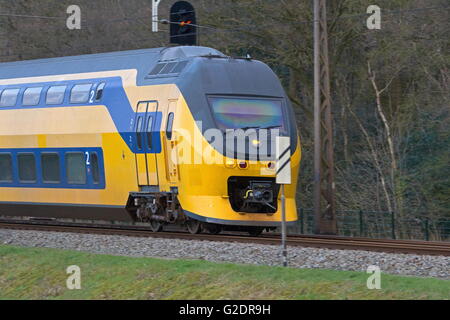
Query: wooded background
{"points": [[390, 87]]}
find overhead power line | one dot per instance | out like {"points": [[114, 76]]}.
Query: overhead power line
{"points": [[14, 15], [108, 21], [211, 28]]}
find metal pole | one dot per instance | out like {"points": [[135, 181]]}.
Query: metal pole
{"points": [[302, 222], [155, 5], [393, 224], [317, 140], [427, 230], [324, 218], [283, 226], [360, 223]]}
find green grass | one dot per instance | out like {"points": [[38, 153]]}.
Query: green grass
{"points": [[38, 273]]}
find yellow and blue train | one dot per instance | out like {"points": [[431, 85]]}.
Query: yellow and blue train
{"points": [[96, 137]]}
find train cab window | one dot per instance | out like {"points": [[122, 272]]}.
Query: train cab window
{"points": [[50, 168], [80, 93], [180, 67], [31, 96], [169, 126], [168, 68], [139, 133], [95, 168], [8, 97], [157, 69], [76, 168], [6, 174], [149, 132], [99, 92], [27, 167], [55, 94]]}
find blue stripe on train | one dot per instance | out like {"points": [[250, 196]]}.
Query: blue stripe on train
{"points": [[114, 98], [63, 184]]}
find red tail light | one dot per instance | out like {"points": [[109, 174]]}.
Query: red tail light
{"points": [[243, 164]]}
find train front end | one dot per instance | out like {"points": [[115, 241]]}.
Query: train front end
{"points": [[231, 114]]}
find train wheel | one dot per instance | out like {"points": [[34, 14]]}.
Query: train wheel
{"points": [[213, 228], [194, 226], [255, 231], [156, 226]]}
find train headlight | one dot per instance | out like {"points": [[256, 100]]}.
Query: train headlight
{"points": [[230, 163], [256, 142]]}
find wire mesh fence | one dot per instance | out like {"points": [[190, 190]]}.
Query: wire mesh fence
{"points": [[378, 224]]}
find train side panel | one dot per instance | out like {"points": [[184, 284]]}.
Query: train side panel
{"points": [[67, 128]]}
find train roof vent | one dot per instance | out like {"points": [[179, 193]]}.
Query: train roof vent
{"points": [[170, 69], [185, 52], [157, 69]]}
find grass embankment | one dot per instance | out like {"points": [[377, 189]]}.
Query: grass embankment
{"points": [[38, 273]]}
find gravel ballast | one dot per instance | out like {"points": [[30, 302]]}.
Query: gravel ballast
{"points": [[244, 253]]}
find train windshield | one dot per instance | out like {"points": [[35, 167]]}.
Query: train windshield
{"points": [[247, 113]]}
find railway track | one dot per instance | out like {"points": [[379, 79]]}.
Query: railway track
{"points": [[330, 242]]}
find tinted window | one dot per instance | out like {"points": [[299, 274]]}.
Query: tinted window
{"points": [[9, 97], [169, 126], [50, 168], [157, 69], [80, 93], [6, 168], [149, 132], [32, 96], [168, 68], [27, 167], [76, 168], [99, 92], [234, 113], [95, 168], [139, 132], [180, 66], [55, 95]]}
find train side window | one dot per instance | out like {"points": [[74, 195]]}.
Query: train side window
{"points": [[99, 92], [169, 126], [50, 168], [139, 133], [76, 167], [149, 132], [55, 94], [27, 167], [95, 168], [9, 97], [80, 93], [6, 174], [180, 66], [31, 96], [168, 68]]}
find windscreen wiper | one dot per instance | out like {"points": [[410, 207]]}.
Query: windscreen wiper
{"points": [[272, 127], [252, 127]]}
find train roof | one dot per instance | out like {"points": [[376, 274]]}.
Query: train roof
{"points": [[192, 68], [142, 59]]}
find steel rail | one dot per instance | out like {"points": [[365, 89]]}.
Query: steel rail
{"points": [[329, 242]]}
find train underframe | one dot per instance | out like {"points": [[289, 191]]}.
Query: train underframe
{"points": [[246, 194]]}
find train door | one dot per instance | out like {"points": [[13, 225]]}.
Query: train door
{"points": [[146, 130], [170, 144]]}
